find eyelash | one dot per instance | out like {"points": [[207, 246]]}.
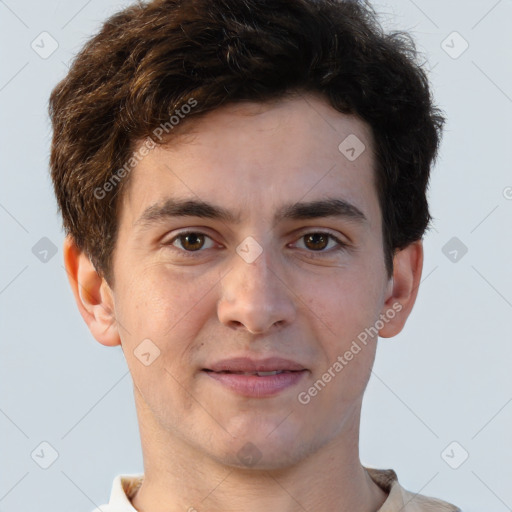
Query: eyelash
{"points": [[342, 246]]}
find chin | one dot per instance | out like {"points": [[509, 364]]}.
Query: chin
{"points": [[259, 450], [251, 458]]}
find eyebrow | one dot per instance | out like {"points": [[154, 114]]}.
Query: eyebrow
{"points": [[173, 207]]}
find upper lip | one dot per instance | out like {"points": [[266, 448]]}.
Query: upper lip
{"points": [[246, 364]]}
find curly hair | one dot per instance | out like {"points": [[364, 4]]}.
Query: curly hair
{"points": [[151, 58]]}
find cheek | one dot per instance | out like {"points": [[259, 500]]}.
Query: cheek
{"points": [[164, 306], [344, 304], [349, 305], [348, 352], [168, 309]]}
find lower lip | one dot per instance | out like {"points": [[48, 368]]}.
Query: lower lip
{"points": [[255, 386]]}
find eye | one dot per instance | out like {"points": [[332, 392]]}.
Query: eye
{"points": [[319, 241], [191, 241], [195, 241]]}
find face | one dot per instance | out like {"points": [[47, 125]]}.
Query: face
{"points": [[254, 244]]}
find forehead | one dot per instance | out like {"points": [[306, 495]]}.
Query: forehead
{"points": [[256, 157]]}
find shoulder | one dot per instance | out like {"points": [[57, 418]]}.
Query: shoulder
{"points": [[123, 489], [400, 499]]}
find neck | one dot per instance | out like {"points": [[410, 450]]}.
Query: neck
{"points": [[177, 477]]}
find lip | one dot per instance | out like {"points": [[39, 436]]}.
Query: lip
{"points": [[247, 364], [255, 386]]}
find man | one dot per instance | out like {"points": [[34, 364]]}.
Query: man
{"points": [[242, 185]]}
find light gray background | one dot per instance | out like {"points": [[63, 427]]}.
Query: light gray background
{"points": [[445, 378]]}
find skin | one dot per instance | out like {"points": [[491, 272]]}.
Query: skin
{"points": [[294, 301]]}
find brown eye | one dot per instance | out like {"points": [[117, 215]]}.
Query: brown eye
{"points": [[191, 241], [321, 242], [316, 241]]}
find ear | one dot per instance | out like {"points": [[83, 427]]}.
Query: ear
{"points": [[93, 295], [403, 289]]}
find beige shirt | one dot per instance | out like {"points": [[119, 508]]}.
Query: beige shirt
{"points": [[399, 500]]}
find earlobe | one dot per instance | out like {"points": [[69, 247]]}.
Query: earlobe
{"points": [[407, 268], [92, 294]]}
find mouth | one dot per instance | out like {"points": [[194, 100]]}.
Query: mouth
{"points": [[259, 374], [247, 365], [256, 379]]}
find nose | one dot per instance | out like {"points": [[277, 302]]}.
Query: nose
{"points": [[255, 296]]}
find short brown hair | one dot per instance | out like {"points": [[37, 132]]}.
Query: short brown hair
{"points": [[152, 58]]}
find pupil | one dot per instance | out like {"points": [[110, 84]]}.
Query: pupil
{"points": [[317, 238], [193, 241]]}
